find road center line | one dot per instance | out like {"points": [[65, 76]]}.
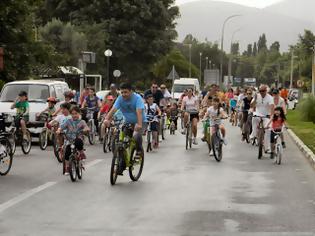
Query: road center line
{"points": [[24, 196], [93, 163]]}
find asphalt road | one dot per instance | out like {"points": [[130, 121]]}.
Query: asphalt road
{"points": [[180, 193]]}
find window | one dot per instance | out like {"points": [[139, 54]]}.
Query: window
{"points": [[36, 92], [53, 91], [59, 92], [179, 88]]}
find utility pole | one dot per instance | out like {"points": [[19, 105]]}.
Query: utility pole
{"points": [[291, 74], [313, 73]]}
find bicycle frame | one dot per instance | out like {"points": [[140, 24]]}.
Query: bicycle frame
{"points": [[127, 144]]}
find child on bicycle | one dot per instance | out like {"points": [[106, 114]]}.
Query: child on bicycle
{"points": [[202, 114], [22, 107], [152, 112], [216, 114], [277, 122], [51, 109], [107, 104], [174, 114], [74, 129]]}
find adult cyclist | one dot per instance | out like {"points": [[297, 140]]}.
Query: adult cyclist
{"points": [[131, 106], [191, 106], [264, 107]]}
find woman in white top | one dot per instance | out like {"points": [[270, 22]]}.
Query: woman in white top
{"points": [[190, 105]]}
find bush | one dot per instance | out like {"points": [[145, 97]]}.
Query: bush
{"points": [[307, 109]]}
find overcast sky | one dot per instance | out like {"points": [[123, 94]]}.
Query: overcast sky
{"points": [[252, 3]]}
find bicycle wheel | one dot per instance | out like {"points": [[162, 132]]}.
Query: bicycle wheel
{"points": [[279, 154], [216, 147], [149, 145], [57, 149], [7, 159], [43, 140], [190, 136], [260, 144], [105, 142], [79, 169], [12, 141], [187, 138], [91, 133], [27, 144], [114, 167], [135, 170], [72, 168]]}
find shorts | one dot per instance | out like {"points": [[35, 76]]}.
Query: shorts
{"points": [[154, 126], [18, 119], [273, 135], [193, 116]]}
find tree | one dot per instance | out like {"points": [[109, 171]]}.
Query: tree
{"points": [[235, 48], [255, 50], [18, 39], [67, 42], [262, 43], [275, 47]]}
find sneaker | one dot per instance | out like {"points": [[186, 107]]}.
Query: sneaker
{"points": [[195, 141], [67, 171], [224, 141], [283, 145], [272, 155]]}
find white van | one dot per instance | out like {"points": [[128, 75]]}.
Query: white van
{"points": [[185, 83], [38, 91]]}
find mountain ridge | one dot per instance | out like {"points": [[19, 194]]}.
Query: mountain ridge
{"points": [[204, 19]]}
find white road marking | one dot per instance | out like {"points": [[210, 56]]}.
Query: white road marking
{"points": [[24, 196], [93, 163]]}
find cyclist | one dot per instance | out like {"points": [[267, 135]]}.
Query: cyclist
{"points": [[174, 114], [264, 106], [107, 104], [92, 102], [113, 91], [131, 106], [22, 107], [156, 93], [152, 112], [245, 106], [202, 115], [51, 109], [166, 94], [73, 129], [69, 95], [84, 94], [279, 102], [216, 113], [191, 104], [277, 122], [229, 95]]}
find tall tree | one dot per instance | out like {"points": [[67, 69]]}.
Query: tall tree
{"points": [[255, 50], [275, 46], [235, 48], [262, 43]]}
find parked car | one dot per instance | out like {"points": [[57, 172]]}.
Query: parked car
{"points": [[38, 91]]}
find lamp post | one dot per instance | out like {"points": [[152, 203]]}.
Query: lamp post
{"points": [[207, 63], [108, 53], [190, 45], [222, 42], [200, 55], [292, 65], [231, 56]]}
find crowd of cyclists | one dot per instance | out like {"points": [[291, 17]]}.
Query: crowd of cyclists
{"points": [[155, 110]]}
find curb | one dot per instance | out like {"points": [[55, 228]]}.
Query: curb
{"points": [[305, 150]]}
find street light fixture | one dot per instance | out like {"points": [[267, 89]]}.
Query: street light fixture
{"points": [[222, 41], [108, 53], [200, 55], [207, 63]]}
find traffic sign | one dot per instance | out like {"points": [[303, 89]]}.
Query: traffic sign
{"points": [[300, 83], [117, 73]]}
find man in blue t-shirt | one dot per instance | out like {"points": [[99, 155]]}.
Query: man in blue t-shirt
{"points": [[132, 107]]}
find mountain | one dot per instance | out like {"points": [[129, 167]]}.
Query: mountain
{"points": [[299, 9], [204, 19]]}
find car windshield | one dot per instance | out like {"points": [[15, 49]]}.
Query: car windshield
{"points": [[179, 88], [36, 92]]}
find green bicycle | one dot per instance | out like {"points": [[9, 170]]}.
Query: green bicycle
{"points": [[124, 155]]}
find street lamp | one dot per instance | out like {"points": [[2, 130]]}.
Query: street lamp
{"points": [[200, 55], [222, 41], [108, 53], [207, 63], [231, 56]]}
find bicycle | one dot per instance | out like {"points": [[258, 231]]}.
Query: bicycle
{"points": [[247, 127], [124, 155], [207, 134], [6, 155], [47, 134], [163, 125], [149, 135], [189, 130], [91, 125], [217, 141], [172, 124], [16, 138], [260, 135], [278, 147], [76, 165]]}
